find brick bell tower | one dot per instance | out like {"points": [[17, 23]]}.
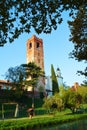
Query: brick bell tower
{"points": [[35, 51], [35, 54]]}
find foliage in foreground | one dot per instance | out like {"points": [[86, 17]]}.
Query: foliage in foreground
{"points": [[78, 36], [67, 99], [53, 103], [39, 121], [17, 17]]}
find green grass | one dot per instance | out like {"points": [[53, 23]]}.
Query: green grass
{"points": [[40, 121]]}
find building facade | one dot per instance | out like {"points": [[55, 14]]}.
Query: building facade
{"points": [[35, 51]]}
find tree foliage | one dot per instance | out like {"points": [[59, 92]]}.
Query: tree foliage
{"points": [[32, 72], [53, 103], [69, 98], [55, 86], [78, 36], [24, 75], [15, 74], [72, 99], [78, 29], [83, 72], [20, 74], [18, 16], [83, 92]]}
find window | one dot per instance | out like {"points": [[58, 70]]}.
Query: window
{"points": [[30, 45], [37, 45], [38, 60]]}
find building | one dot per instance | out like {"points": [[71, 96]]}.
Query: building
{"points": [[7, 85], [35, 51], [75, 86], [4, 84], [35, 54]]}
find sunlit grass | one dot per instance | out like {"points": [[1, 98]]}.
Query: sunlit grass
{"points": [[40, 120]]}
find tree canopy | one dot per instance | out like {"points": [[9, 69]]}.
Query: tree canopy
{"points": [[18, 16], [21, 74], [15, 74], [32, 72], [53, 103], [78, 28], [78, 36]]}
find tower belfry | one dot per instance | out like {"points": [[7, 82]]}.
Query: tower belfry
{"points": [[35, 51]]}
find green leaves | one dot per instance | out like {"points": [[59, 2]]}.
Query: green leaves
{"points": [[78, 36], [33, 72], [42, 15], [78, 28]]}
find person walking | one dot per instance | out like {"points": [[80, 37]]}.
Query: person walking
{"points": [[31, 112]]}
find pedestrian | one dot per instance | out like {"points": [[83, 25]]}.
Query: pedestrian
{"points": [[31, 112]]}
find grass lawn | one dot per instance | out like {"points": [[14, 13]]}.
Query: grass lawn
{"points": [[39, 121]]}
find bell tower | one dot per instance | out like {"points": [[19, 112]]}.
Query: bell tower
{"points": [[35, 51]]}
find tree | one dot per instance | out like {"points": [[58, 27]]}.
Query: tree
{"points": [[24, 75], [83, 92], [18, 16], [55, 86], [41, 90], [53, 103], [71, 99], [78, 28], [16, 75], [33, 72]]}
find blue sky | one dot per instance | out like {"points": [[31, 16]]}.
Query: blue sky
{"points": [[56, 51]]}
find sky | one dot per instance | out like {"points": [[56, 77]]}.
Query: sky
{"points": [[56, 51]]}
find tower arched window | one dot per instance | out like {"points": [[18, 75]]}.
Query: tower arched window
{"points": [[30, 45], [37, 45]]}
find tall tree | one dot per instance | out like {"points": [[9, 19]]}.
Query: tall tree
{"points": [[78, 36], [25, 75], [16, 75], [53, 103], [55, 86], [71, 99], [33, 72], [18, 16]]}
